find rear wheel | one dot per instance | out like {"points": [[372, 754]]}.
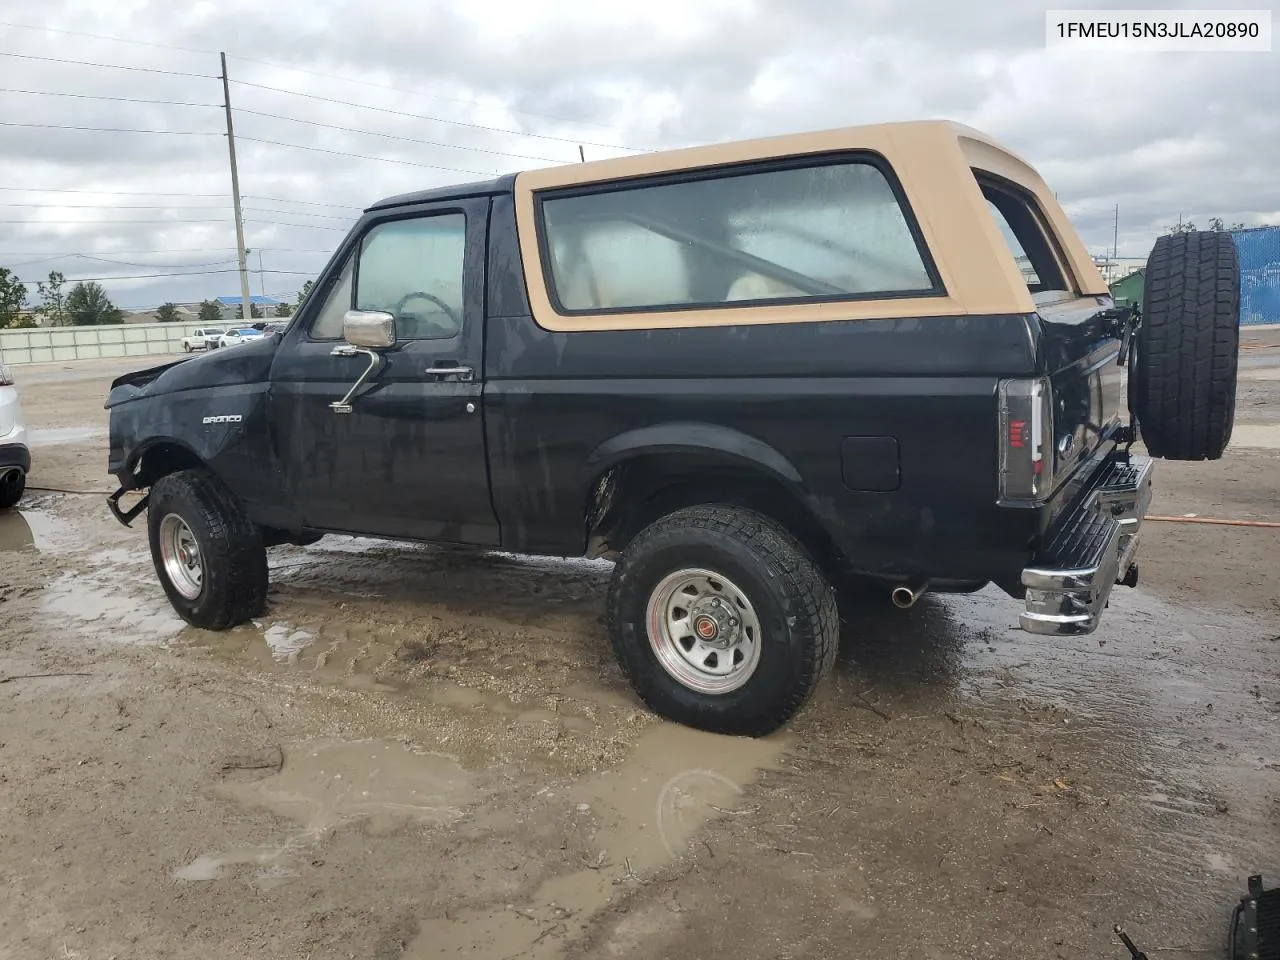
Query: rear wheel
{"points": [[1187, 346], [720, 620], [208, 554], [12, 485]]}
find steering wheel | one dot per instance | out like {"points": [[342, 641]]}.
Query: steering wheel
{"points": [[418, 294]]}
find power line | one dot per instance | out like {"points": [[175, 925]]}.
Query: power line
{"points": [[314, 73], [296, 213], [421, 116], [199, 196], [123, 263], [27, 253], [94, 96], [395, 136], [109, 66], [99, 36], [62, 126], [157, 276], [94, 223], [424, 93], [358, 156], [116, 206], [308, 226], [183, 206]]}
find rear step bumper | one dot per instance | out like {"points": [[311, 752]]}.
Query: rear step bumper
{"points": [[1070, 581]]}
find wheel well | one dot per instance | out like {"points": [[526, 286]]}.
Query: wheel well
{"points": [[163, 459], [629, 496]]}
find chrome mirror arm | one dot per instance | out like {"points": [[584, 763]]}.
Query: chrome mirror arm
{"points": [[375, 362]]}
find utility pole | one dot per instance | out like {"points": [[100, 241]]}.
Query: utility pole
{"points": [[1115, 237], [262, 280], [235, 193]]}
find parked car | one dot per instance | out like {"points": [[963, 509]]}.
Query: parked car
{"points": [[751, 374], [242, 335], [202, 339], [15, 458]]}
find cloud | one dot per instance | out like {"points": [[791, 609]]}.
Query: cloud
{"points": [[1159, 135]]}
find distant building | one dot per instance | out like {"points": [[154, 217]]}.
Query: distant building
{"points": [[233, 307], [1117, 268], [186, 314]]}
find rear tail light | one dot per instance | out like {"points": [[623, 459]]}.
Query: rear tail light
{"points": [[1026, 440]]}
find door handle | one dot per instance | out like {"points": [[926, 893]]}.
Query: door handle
{"points": [[445, 369]]}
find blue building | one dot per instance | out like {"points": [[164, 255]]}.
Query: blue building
{"points": [[1259, 252], [233, 307]]}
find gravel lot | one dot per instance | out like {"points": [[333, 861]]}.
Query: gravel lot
{"points": [[425, 753]]}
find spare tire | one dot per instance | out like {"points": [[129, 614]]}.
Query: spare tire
{"points": [[1187, 346]]}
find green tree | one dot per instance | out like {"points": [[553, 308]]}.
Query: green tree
{"points": [[210, 312], [53, 302], [284, 309], [167, 313], [89, 305], [306, 289], [1216, 226], [255, 312], [13, 297]]}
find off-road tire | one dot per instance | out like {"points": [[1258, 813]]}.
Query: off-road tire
{"points": [[1187, 346], [796, 607], [233, 558], [12, 486]]}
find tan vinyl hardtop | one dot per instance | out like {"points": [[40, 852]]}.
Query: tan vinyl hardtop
{"points": [[933, 161]]}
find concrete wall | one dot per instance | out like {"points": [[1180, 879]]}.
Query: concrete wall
{"points": [[48, 344]]}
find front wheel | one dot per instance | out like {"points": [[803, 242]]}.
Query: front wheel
{"points": [[208, 554], [721, 621]]}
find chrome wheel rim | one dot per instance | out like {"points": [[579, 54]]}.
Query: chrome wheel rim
{"points": [[180, 554], [704, 631]]}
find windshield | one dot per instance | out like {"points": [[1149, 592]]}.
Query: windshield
{"points": [[213, 333]]}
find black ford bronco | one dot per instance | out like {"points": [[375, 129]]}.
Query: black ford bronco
{"points": [[749, 373]]}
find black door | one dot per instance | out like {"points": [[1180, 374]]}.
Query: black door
{"points": [[409, 458]]}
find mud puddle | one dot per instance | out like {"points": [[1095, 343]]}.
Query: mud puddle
{"points": [[112, 613], [35, 530], [324, 784], [647, 812]]}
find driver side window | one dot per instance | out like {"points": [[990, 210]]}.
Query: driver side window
{"points": [[413, 270]]}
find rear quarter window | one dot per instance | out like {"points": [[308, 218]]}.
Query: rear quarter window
{"points": [[816, 232]]}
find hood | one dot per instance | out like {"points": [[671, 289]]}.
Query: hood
{"points": [[249, 362]]}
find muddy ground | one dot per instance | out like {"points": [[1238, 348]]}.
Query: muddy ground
{"points": [[422, 753]]}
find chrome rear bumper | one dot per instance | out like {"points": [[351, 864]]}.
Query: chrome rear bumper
{"points": [[1068, 585]]}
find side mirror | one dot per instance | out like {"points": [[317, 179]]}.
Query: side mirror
{"points": [[369, 329]]}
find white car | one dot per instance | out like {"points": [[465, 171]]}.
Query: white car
{"points": [[243, 335], [202, 339], [15, 458]]}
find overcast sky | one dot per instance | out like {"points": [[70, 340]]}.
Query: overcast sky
{"points": [[1162, 135]]}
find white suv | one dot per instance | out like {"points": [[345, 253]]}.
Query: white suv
{"points": [[15, 458], [203, 339], [241, 335]]}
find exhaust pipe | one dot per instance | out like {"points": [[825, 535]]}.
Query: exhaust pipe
{"points": [[905, 595]]}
